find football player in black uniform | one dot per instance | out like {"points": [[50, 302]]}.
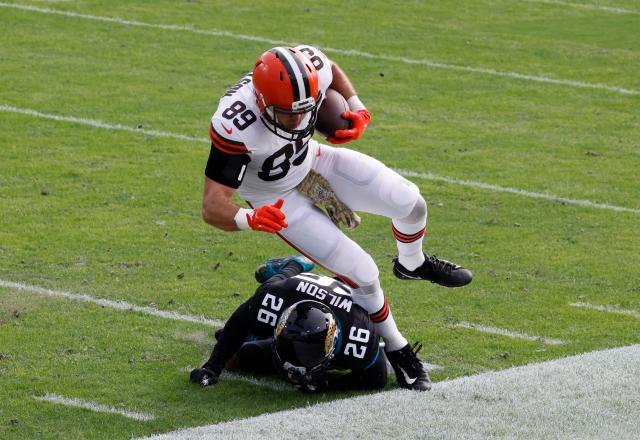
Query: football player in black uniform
{"points": [[302, 325]]}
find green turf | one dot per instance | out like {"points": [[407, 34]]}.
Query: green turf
{"points": [[117, 214]]}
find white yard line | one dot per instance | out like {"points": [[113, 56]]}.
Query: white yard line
{"points": [[430, 367], [99, 124], [118, 305], [608, 309], [261, 381], [347, 52], [97, 407], [520, 192], [508, 333], [406, 173], [273, 384], [593, 395], [614, 10]]}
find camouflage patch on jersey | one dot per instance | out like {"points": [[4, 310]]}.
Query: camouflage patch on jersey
{"points": [[319, 190]]}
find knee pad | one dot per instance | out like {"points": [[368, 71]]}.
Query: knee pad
{"points": [[417, 214], [398, 193], [367, 271], [355, 264], [372, 289], [370, 297]]}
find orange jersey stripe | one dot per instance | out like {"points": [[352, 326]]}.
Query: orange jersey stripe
{"points": [[227, 149], [225, 143]]}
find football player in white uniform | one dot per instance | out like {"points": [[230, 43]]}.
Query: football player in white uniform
{"points": [[261, 146]]}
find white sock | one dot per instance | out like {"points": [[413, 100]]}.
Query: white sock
{"points": [[409, 244], [372, 299]]}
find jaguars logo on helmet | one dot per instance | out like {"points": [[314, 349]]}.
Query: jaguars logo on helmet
{"points": [[305, 340]]}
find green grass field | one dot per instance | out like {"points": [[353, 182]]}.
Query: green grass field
{"points": [[541, 97]]}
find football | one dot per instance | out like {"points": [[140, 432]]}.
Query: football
{"points": [[329, 114]]}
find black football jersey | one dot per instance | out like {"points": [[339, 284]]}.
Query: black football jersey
{"points": [[358, 343]]}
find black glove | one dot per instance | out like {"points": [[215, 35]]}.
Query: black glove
{"points": [[203, 376], [318, 385]]}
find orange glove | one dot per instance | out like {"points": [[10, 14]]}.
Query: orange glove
{"points": [[267, 218], [359, 122]]}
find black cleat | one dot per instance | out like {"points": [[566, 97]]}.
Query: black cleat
{"points": [[435, 270], [218, 333], [203, 376], [410, 372]]}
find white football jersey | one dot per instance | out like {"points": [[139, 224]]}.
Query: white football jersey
{"points": [[276, 165]]}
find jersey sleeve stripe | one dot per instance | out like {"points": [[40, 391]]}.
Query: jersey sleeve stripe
{"points": [[228, 143], [227, 149]]}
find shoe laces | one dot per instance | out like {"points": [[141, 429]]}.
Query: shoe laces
{"points": [[438, 265], [411, 355]]}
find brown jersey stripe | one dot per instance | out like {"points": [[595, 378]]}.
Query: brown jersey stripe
{"points": [[215, 136], [227, 149], [224, 139]]}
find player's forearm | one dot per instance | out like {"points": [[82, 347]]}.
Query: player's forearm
{"points": [[217, 208], [221, 215], [341, 82], [292, 269], [231, 339]]}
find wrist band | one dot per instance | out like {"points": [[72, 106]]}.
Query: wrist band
{"points": [[241, 218], [355, 104]]}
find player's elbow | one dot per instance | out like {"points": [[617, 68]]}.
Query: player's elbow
{"points": [[207, 215], [211, 216], [218, 218], [217, 209]]}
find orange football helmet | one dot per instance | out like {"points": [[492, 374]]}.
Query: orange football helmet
{"points": [[286, 88]]}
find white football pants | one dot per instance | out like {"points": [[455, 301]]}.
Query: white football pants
{"points": [[364, 184]]}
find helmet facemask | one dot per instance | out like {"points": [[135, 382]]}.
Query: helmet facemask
{"points": [[306, 126]]}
